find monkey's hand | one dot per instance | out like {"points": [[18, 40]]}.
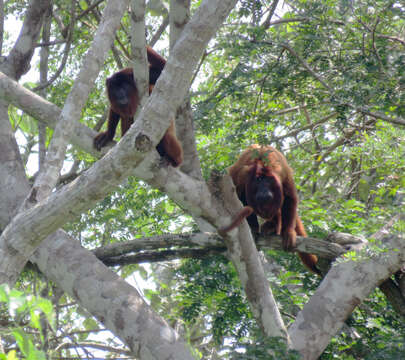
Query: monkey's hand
{"points": [[102, 140], [289, 239]]}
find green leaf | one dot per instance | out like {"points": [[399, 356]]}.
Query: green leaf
{"points": [[22, 341], [4, 291]]}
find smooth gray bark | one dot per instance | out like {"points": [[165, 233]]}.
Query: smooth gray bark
{"points": [[345, 286], [138, 48], [14, 246], [18, 60], [153, 339]]}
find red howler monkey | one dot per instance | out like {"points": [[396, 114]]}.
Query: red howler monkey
{"points": [[124, 100], [265, 185]]}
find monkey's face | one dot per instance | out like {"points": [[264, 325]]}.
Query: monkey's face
{"points": [[264, 192], [122, 94], [119, 91]]}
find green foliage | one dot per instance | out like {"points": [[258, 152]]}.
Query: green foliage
{"points": [[305, 85], [210, 286], [382, 325], [23, 309], [262, 349], [135, 209], [210, 292], [348, 168]]}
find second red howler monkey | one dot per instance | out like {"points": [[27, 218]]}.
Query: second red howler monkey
{"points": [[124, 100], [265, 185]]}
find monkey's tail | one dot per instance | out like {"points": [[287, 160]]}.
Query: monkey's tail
{"points": [[310, 260], [244, 213]]}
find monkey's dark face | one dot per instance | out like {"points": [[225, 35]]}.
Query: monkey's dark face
{"points": [[122, 93], [264, 192], [120, 89]]}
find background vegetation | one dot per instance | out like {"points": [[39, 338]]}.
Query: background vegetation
{"points": [[324, 82]]}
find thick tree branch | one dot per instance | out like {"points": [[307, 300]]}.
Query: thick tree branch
{"points": [[244, 255], [44, 111], [178, 18], [139, 60], [162, 255], [75, 101], [66, 51], [10, 241], [43, 77], [18, 60], [345, 286], [143, 136], [12, 173], [155, 248], [119, 306]]}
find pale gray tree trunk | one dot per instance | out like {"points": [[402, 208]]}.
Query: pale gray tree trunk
{"points": [[178, 17], [12, 264], [44, 111], [109, 298], [142, 137], [12, 173], [156, 340], [345, 286], [243, 253], [18, 60], [43, 78], [71, 112], [139, 61]]}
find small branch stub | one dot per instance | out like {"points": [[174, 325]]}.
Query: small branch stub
{"points": [[143, 143]]}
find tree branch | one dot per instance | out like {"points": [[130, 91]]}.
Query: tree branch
{"points": [[243, 253], [155, 247], [13, 262], [108, 297], [66, 51], [345, 286], [44, 111], [18, 60], [161, 255], [75, 101], [139, 61], [379, 115]]}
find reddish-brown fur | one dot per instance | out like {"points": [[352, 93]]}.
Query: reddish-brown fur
{"points": [[265, 185], [124, 100]]}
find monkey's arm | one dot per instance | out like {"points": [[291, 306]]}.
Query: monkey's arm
{"points": [[103, 138]]}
